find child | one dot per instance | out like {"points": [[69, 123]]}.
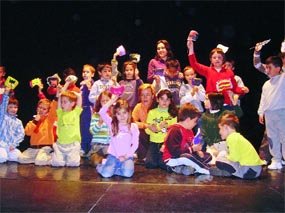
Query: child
{"points": [[180, 153], [218, 78], [41, 131], [88, 72], [67, 147], [146, 95], [209, 124], [158, 120], [163, 52], [124, 139], [105, 82], [191, 93], [100, 131], [242, 159], [2, 81], [11, 129], [170, 80], [131, 83], [70, 72], [272, 109]]}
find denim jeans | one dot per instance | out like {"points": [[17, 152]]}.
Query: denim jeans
{"points": [[113, 166]]}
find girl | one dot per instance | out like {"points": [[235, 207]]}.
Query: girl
{"points": [[124, 139], [139, 114], [158, 120], [218, 78], [131, 81], [99, 131], [191, 93], [157, 64]]}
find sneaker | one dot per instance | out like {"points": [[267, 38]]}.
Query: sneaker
{"points": [[283, 162], [275, 165], [187, 170], [177, 169], [218, 172]]}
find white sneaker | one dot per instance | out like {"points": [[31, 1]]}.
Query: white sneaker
{"points": [[283, 162], [275, 165]]}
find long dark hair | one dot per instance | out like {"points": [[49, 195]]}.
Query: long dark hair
{"points": [[172, 109], [167, 47]]}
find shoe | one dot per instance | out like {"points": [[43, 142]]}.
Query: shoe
{"points": [[177, 169], [187, 170], [218, 172], [283, 162], [275, 165]]}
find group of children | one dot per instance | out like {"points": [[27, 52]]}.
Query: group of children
{"points": [[112, 123]]}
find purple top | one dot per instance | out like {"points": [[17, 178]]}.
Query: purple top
{"points": [[126, 142], [152, 66]]}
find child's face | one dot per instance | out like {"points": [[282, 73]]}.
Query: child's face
{"points": [[189, 75], [129, 72], [42, 109], [224, 131], [106, 73], [229, 66], [87, 73], [172, 72], [122, 116], [104, 99], [217, 60], [207, 102], [146, 97], [2, 72], [161, 50], [271, 70], [53, 82], [12, 109], [66, 104], [191, 123], [163, 102]]}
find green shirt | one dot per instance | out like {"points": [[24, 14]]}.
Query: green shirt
{"points": [[242, 151], [68, 126]]}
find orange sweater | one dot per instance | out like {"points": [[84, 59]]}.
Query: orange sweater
{"points": [[139, 115], [44, 134]]}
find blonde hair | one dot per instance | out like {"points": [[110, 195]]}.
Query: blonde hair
{"points": [[70, 95], [44, 102], [92, 69]]}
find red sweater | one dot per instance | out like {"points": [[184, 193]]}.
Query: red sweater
{"points": [[222, 81], [177, 142]]}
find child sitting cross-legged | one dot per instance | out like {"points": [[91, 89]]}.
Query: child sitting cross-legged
{"points": [[242, 159], [180, 153]]}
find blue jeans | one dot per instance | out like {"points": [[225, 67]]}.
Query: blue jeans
{"points": [[114, 166]]}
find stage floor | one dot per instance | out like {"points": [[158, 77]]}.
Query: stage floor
{"points": [[29, 188]]}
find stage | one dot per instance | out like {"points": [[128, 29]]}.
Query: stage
{"points": [[30, 188]]}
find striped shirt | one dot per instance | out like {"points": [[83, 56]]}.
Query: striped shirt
{"points": [[100, 133]]}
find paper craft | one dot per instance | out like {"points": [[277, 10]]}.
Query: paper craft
{"points": [[196, 81], [198, 137], [135, 57], [121, 50], [11, 82], [117, 90], [159, 72], [35, 82], [223, 48], [53, 80], [193, 35], [71, 78]]}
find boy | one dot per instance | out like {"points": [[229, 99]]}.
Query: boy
{"points": [[105, 82], [67, 147], [242, 159], [180, 154], [170, 80], [11, 129], [272, 109]]}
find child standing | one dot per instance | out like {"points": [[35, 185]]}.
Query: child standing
{"points": [[272, 109], [100, 131], [131, 82], [104, 83], [88, 72], [218, 78], [242, 159], [180, 153], [191, 93], [41, 132], [158, 120], [139, 114], [170, 80], [11, 129], [124, 139], [67, 147]]}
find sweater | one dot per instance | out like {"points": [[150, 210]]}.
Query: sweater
{"points": [[139, 115]]}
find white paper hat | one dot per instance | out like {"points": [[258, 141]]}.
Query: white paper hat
{"points": [[224, 48], [121, 50]]}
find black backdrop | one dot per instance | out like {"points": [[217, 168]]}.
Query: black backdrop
{"points": [[40, 38]]}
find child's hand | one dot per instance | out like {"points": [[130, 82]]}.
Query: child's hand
{"points": [[122, 158], [245, 89], [200, 153], [163, 124], [258, 47], [37, 117], [153, 128], [197, 147], [261, 119]]}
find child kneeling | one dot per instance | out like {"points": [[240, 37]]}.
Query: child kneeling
{"points": [[180, 154], [242, 159]]}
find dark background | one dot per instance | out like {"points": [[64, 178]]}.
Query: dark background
{"points": [[40, 38]]}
